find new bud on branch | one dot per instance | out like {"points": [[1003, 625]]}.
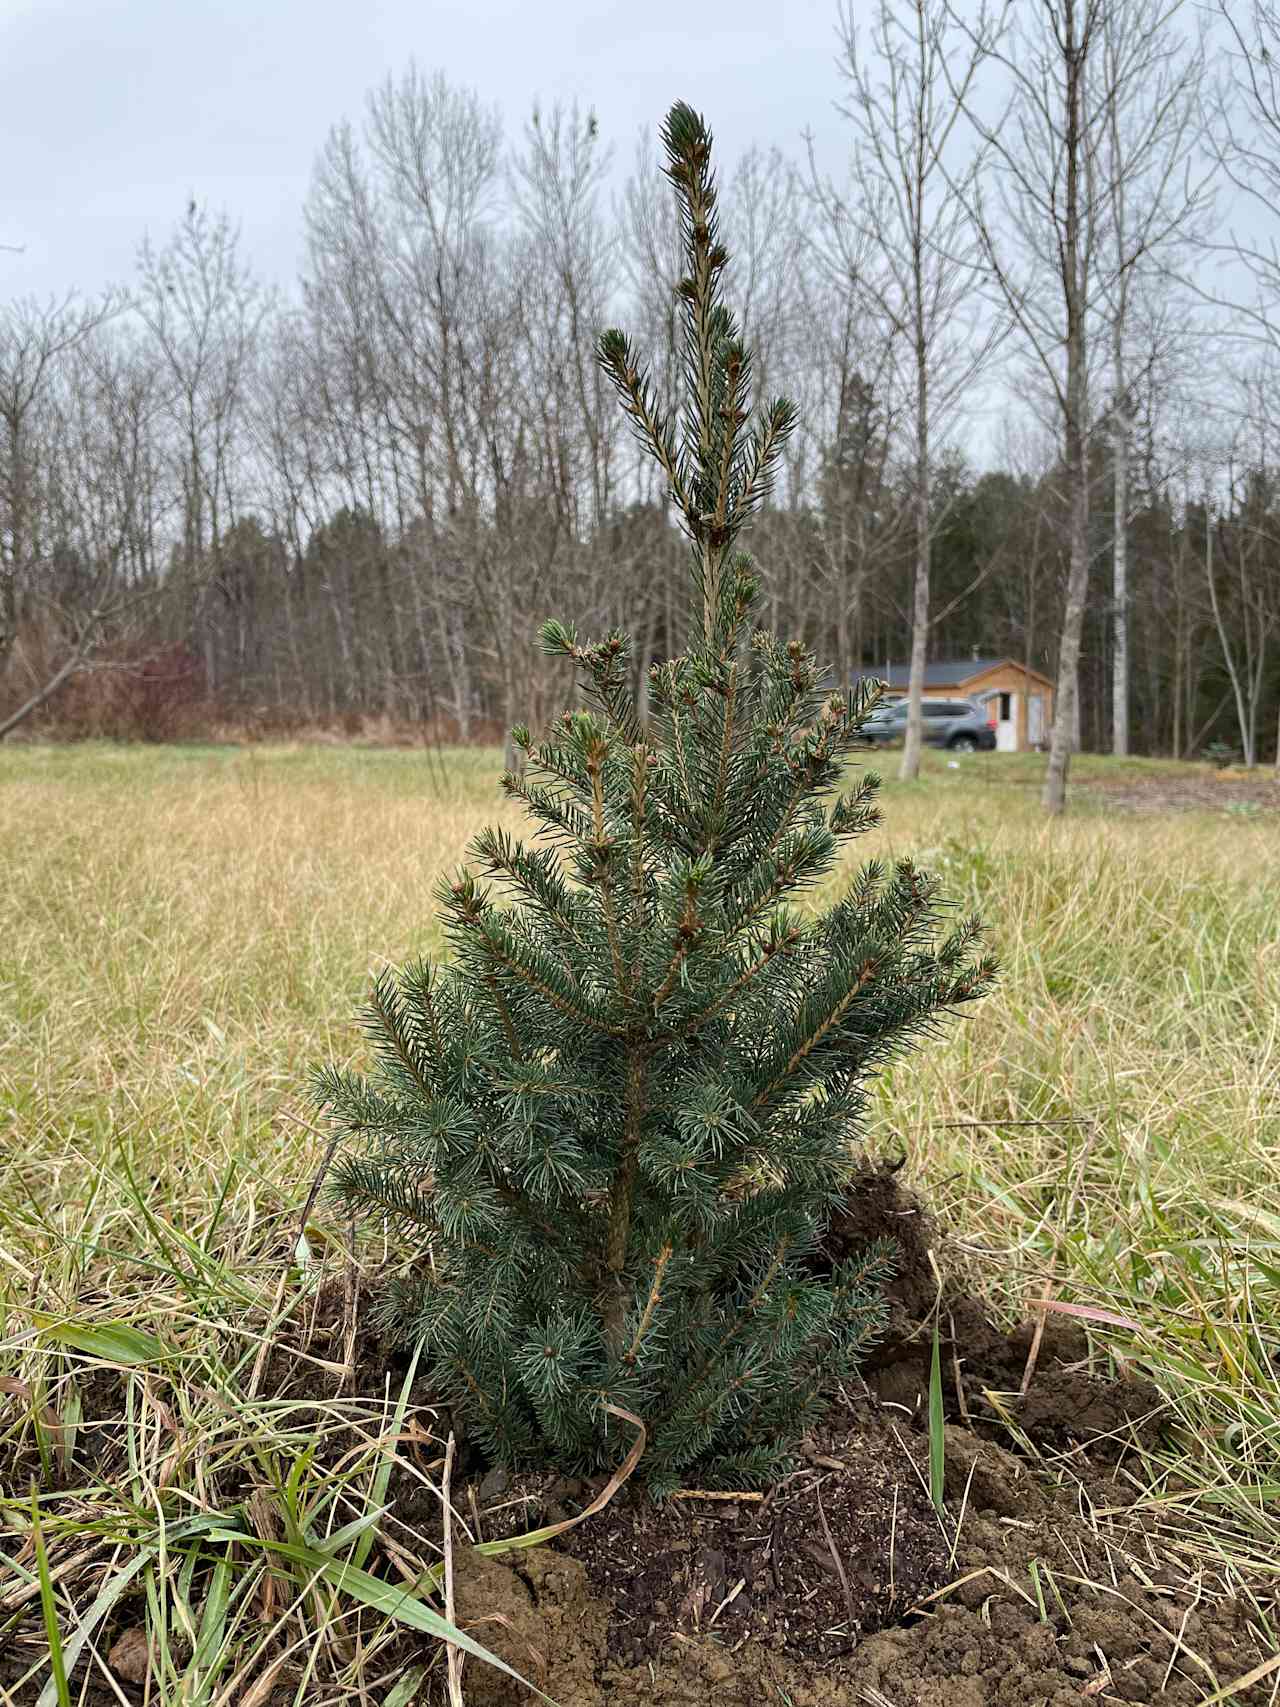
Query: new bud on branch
{"points": [[614, 1124]]}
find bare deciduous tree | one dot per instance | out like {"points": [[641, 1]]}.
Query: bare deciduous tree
{"points": [[101, 502], [35, 340], [1245, 136], [1157, 193], [1081, 73], [203, 309], [905, 242], [1242, 552], [359, 502]]}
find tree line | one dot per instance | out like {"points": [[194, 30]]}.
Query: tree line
{"points": [[1032, 354]]}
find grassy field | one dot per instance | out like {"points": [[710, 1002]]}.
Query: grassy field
{"points": [[183, 932]]}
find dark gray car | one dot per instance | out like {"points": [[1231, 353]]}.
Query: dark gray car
{"points": [[957, 724]]}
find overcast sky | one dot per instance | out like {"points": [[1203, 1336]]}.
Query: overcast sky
{"points": [[114, 112]]}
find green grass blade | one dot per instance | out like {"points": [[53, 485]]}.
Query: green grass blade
{"points": [[103, 1601], [383, 1597], [115, 1342], [382, 1476], [213, 1619], [58, 1685], [407, 1688], [937, 1425], [360, 1528]]}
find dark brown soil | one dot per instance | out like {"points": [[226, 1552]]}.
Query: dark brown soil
{"points": [[986, 1644], [1066, 1402], [840, 1549], [841, 1585], [1211, 791]]}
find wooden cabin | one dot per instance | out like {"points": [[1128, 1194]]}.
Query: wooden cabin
{"points": [[1019, 700]]}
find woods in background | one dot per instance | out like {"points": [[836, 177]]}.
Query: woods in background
{"points": [[1036, 422]]}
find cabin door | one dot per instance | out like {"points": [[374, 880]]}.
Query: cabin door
{"points": [[1002, 710]]}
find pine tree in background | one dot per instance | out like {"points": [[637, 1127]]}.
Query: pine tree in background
{"points": [[616, 1122]]}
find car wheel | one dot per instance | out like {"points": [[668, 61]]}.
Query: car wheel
{"points": [[963, 744]]}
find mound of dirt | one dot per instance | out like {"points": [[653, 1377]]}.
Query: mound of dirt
{"points": [[1036, 1611], [835, 1552], [841, 1586], [1064, 1403]]}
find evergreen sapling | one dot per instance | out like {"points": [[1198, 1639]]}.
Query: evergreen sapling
{"points": [[615, 1124]]}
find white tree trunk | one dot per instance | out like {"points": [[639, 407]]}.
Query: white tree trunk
{"points": [[913, 740], [1120, 588], [1066, 711], [1066, 708]]}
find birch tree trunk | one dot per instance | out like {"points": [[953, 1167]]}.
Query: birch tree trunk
{"points": [[1106, 98], [1076, 420], [1243, 720], [1120, 570], [904, 244], [913, 739]]}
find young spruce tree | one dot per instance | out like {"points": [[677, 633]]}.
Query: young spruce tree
{"points": [[617, 1121]]}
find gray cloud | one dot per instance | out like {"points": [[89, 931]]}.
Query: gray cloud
{"points": [[117, 111]]}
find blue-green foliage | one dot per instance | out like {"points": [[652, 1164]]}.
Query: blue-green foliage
{"points": [[617, 1120]]}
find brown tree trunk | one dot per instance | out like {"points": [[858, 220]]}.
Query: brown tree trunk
{"points": [[1120, 570], [1066, 703], [8, 615], [1076, 425], [10, 571], [913, 740]]}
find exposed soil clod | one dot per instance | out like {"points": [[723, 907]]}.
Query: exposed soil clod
{"points": [[841, 1586]]}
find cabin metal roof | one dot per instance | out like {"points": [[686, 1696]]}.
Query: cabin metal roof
{"points": [[946, 672]]}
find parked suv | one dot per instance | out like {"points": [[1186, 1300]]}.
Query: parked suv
{"points": [[958, 724]]}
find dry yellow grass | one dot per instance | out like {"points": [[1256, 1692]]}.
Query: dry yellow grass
{"points": [[184, 932]]}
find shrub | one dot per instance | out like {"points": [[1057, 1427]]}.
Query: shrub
{"points": [[617, 1121], [1222, 755]]}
